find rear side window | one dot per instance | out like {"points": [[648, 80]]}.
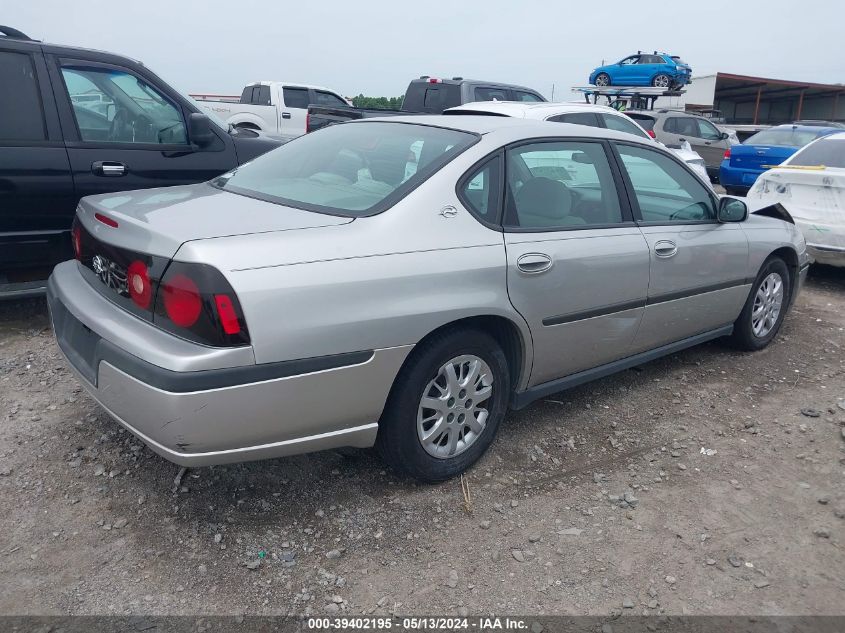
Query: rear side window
{"points": [[490, 94], [261, 96], [480, 190], [560, 185], [622, 124], [350, 170], [521, 95], [295, 97], [827, 152], [578, 118], [322, 97], [21, 116]]}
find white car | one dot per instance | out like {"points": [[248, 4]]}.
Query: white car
{"points": [[581, 114], [810, 184], [277, 108]]}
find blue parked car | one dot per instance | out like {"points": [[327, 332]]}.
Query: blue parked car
{"points": [[743, 163], [659, 70]]}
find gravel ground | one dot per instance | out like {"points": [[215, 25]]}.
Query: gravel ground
{"points": [[708, 482]]}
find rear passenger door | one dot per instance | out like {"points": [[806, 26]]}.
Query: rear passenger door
{"points": [[294, 111], [577, 264], [37, 200], [697, 265]]}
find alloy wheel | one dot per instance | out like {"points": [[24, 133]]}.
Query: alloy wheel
{"points": [[661, 81]]}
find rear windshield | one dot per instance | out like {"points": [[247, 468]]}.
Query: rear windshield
{"points": [[827, 152], [646, 122], [352, 169], [787, 137]]}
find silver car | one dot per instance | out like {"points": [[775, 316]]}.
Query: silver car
{"points": [[404, 282]]}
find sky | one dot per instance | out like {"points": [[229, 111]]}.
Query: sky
{"points": [[376, 47]]}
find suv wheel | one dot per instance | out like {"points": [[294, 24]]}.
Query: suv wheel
{"points": [[661, 81], [765, 308], [602, 79], [446, 406]]}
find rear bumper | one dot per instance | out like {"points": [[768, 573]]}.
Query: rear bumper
{"points": [[737, 177], [199, 415], [829, 255]]}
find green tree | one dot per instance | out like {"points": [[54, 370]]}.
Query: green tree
{"points": [[377, 103]]}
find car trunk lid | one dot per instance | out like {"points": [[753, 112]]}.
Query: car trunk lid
{"points": [[158, 221], [759, 156]]}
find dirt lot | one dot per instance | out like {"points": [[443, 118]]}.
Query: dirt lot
{"points": [[91, 522]]}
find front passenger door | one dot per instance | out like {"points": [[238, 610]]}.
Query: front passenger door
{"points": [[697, 280], [577, 264]]}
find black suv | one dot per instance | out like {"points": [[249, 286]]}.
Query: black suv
{"points": [[75, 122]]}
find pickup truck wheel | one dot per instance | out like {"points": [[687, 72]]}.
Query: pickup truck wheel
{"points": [[602, 79], [446, 406], [765, 308], [661, 81]]}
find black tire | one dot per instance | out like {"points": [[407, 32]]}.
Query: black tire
{"points": [[662, 78], [743, 336], [603, 75], [398, 441]]}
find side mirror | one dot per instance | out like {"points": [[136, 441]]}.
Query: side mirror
{"points": [[732, 210], [724, 136], [199, 130]]}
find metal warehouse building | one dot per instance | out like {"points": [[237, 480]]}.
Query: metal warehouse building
{"points": [[746, 100]]}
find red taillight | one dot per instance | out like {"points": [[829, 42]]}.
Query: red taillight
{"points": [[227, 314], [432, 80], [76, 239], [182, 301], [651, 133], [106, 220], [138, 282], [727, 155]]}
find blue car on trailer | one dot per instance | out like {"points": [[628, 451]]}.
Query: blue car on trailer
{"points": [[768, 148], [658, 69]]}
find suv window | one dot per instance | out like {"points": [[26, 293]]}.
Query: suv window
{"points": [[578, 118], [644, 120], [115, 106], [620, 123], [708, 131], [21, 116], [521, 95], [666, 192], [328, 99], [560, 184], [480, 190], [295, 97], [685, 126], [490, 94]]}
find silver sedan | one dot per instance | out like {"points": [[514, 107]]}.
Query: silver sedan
{"points": [[403, 283]]}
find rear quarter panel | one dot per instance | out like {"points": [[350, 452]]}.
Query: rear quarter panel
{"points": [[377, 282], [766, 235]]}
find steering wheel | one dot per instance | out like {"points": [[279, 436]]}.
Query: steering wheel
{"points": [[120, 125]]}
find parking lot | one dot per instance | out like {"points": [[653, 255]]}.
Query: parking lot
{"points": [[710, 481]]}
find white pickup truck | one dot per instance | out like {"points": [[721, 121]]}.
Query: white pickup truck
{"points": [[276, 108]]}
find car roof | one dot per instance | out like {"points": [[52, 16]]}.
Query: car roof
{"points": [[529, 110], [457, 81], [805, 128], [507, 126]]}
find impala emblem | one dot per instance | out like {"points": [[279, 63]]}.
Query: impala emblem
{"points": [[111, 274], [448, 211]]}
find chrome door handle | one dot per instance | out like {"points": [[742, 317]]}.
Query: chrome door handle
{"points": [[665, 248], [533, 263], [108, 168], [285, 115]]}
